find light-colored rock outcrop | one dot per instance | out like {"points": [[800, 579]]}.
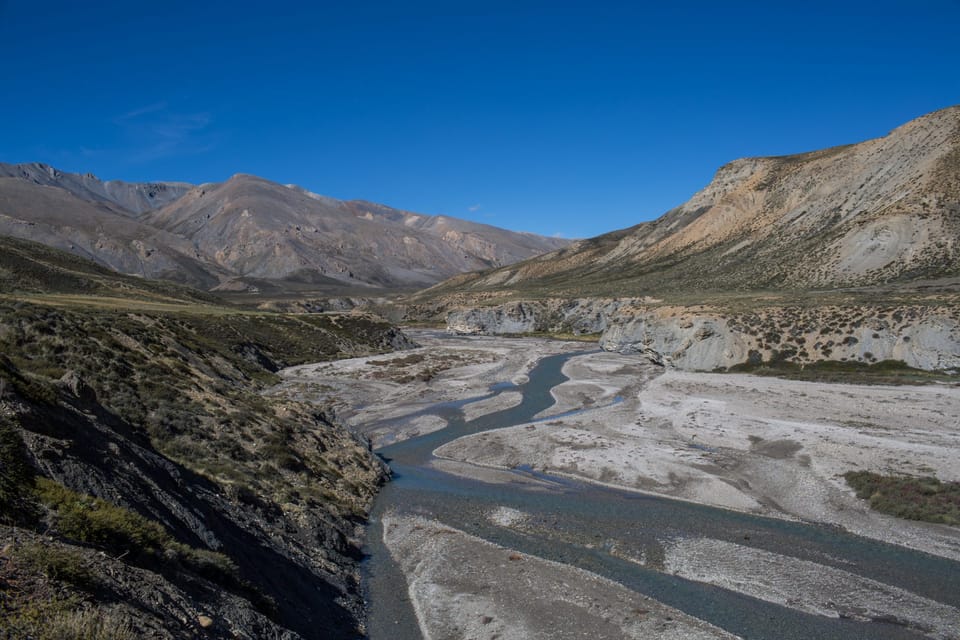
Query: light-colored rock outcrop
{"points": [[707, 339], [696, 341]]}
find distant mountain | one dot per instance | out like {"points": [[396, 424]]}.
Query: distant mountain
{"points": [[28, 267], [263, 230], [884, 210], [100, 231], [248, 232], [129, 197]]}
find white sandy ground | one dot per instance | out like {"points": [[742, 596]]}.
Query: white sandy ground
{"points": [[367, 392], [463, 587], [755, 444], [807, 586]]}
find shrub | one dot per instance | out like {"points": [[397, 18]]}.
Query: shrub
{"points": [[925, 498], [56, 563], [138, 539], [95, 521]]}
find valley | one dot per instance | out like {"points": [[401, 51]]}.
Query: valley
{"points": [[334, 419], [525, 463]]}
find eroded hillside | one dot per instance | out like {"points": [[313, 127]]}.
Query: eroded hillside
{"points": [[209, 508]]}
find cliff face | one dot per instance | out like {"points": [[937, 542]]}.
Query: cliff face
{"points": [[707, 339], [920, 337]]}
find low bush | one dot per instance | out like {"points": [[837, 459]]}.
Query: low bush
{"points": [[925, 498], [97, 522]]}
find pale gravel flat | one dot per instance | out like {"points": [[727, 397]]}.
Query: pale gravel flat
{"points": [[465, 587], [504, 400], [807, 586]]}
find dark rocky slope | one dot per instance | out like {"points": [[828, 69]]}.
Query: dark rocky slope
{"points": [[255, 504]]}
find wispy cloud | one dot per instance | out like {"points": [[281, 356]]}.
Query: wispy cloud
{"points": [[155, 131], [474, 208]]}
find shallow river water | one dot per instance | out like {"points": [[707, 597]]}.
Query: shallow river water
{"points": [[580, 524]]}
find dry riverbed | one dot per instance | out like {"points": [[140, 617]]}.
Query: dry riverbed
{"points": [[464, 587]]}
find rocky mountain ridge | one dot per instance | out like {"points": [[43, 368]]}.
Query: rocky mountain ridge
{"points": [[131, 198], [248, 233], [880, 211], [858, 245]]}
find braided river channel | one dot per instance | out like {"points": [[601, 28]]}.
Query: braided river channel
{"points": [[602, 530]]}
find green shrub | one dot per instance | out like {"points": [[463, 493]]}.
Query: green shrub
{"points": [[139, 540], [925, 498], [95, 521], [56, 563]]}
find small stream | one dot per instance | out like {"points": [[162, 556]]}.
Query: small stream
{"points": [[581, 524]]}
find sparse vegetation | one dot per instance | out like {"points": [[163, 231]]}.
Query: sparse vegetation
{"points": [[884, 372], [45, 594], [190, 382], [924, 498]]}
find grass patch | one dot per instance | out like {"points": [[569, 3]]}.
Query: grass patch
{"points": [[886, 372], [61, 564], [925, 498], [135, 539], [97, 522]]}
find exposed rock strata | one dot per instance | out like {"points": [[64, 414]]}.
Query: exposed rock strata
{"points": [[706, 339]]}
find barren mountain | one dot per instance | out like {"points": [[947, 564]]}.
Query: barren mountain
{"points": [[259, 229], [876, 212], [247, 232], [101, 232]]}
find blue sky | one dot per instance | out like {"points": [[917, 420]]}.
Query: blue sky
{"points": [[562, 118]]}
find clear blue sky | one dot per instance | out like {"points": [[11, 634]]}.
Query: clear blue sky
{"points": [[569, 118]]}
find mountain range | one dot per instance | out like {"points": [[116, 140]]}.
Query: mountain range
{"points": [[248, 233]]}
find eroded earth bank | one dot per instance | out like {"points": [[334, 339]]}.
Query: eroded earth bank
{"points": [[546, 490]]}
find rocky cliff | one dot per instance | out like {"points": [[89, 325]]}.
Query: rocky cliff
{"points": [[705, 338]]}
